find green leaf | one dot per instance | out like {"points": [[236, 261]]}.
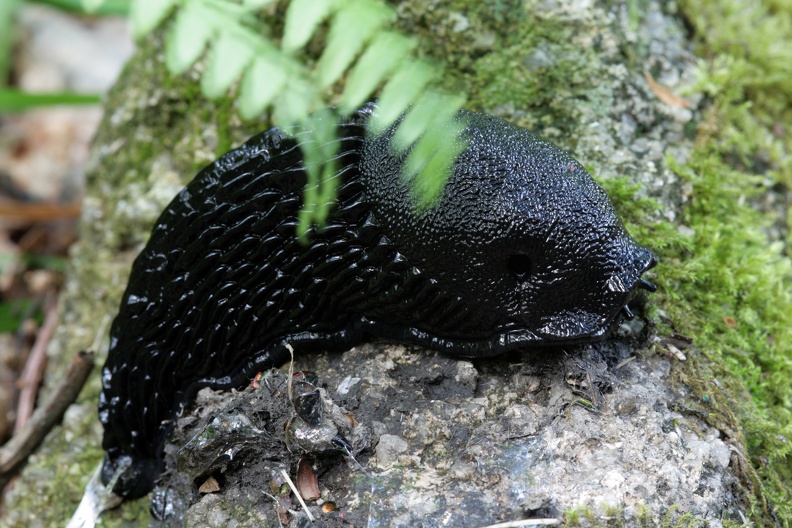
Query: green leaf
{"points": [[423, 150], [321, 169], [326, 134], [434, 132], [256, 4], [106, 7], [381, 57], [187, 38], [401, 90], [295, 103], [44, 262], [16, 101], [302, 18], [91, 6], [432, 159], [261, 83], [227, 11], [433, 107], [342, 44], [8, 29], [12, 314], [145, 15], [229, 57]]}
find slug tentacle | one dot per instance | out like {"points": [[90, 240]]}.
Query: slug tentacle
{"points": [[523, 248], [646, 285], [627, 312]]}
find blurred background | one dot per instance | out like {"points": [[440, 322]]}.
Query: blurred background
{"points": [[56, 62]]}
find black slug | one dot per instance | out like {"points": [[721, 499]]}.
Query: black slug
{"points": [[523, 248]]}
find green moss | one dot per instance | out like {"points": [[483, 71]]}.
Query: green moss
{"points": [[727, 279], [638, 213], [545, 68], [732, 292], [729, 282], [520, 63], [729, 287], [616, 517], [576, 517]]}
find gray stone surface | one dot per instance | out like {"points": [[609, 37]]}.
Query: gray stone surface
{"points": [[531, 435]]}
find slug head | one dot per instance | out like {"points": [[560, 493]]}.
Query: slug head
{"points": [[522, 232]]}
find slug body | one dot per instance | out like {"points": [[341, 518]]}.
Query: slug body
{"points": [[523, 248]]}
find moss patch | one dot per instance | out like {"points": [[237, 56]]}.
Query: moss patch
{"points": [[615, 517], [727, 277], [733, 288]]}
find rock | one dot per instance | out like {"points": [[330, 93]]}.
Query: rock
{"points": [[389, 449], [502, 452]]}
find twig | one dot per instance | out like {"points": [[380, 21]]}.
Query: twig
{"points": [[297, 493], [14, 453], [34, 367], [625, 362], [39, 212]]}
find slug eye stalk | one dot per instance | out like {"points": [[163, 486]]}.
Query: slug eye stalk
{"points": [[646, 285]]}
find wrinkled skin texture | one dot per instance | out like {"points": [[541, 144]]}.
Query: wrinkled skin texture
{"points": [[524, 248]]}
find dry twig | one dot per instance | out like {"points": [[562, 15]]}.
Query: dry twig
{"points": [[30, 379], [14, 453]]}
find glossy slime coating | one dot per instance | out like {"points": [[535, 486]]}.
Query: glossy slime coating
{"points": [[523, 248]]}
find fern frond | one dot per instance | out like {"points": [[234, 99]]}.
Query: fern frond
{"points": [[359, 49], [263, 81], [302, 19], [382, 56], [343, 45], [401, 91], [146, 15], [229, 57], [188, 37]]}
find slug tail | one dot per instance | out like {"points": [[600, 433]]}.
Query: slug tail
{"points": [[129, 477]]}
